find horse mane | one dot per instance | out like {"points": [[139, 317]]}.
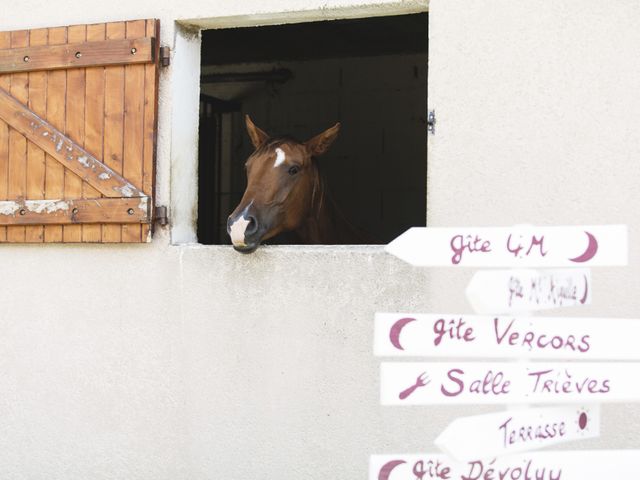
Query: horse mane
{"points": [[337, 227]]}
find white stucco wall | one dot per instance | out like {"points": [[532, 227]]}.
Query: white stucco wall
{"points": [[162, 361]]}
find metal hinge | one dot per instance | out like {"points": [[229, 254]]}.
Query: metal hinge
{"points": [[160, 216], [165, 56], [431, 122]]}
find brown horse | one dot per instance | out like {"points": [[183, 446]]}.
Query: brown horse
{"points": [[286, 193]]}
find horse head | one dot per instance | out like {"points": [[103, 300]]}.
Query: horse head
{"points": [[283, 186]]}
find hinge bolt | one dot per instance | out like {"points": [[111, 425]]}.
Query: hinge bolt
{"points": [[161, 216], [431, 122], [165, 56]]}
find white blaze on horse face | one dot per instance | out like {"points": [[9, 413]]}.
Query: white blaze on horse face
{"points": [[239, 227], [280, 157]]}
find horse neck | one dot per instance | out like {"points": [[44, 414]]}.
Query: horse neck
{"points": [[325, 224]]}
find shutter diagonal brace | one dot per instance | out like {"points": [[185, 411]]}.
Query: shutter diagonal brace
{"points": [[71, 155]]}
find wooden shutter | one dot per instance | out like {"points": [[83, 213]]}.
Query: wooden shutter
{"points": [[78, 110]]}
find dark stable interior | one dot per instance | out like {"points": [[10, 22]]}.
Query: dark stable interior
{"points": [[299, 79]]}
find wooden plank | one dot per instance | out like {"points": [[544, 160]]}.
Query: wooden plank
{"points": [[73, 211], [56, 113], [63, 149], [35, 155], [77, 54], [114, 121], [17, 143], [94, 125], [132, 160], [56, 125], [5, 83], [150, 124], [74, 128]]}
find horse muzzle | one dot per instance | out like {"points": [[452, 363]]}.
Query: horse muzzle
{"points": [[245, 231]]}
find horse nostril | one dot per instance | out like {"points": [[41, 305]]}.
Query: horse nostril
{"points": [[252, 226]]}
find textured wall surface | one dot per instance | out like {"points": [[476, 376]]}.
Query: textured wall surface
{"points": [[163, 362], [538, 115]]}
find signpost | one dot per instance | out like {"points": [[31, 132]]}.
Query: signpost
{"points": [[523, 246], [513, 431], [508, 291], [486, 447], [486, 383], [563, 465], [475, 336]]}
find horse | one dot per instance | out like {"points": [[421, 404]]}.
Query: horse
{"points": [[286, 193]]}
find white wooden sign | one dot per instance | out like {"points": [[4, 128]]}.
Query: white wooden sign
{"points": [[451, 383], [475, 336], [511, 291], [522, 246], [565, 465], [514, 431]]}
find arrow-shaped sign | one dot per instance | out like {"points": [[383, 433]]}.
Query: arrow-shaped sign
{"points": [[513, 431], [510, 291], [450, 383], [475, 336], [522, 246], [565, 465]]}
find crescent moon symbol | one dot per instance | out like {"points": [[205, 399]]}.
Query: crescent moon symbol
{"points": [[387, 468], [396, 329], [590, 252], [586, 290]]}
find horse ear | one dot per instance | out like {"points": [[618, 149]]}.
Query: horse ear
{"points": [[321, 143], [258, 136]]}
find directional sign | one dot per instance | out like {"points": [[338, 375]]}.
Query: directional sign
{"points": [[513, 431], [510, 291], [474, 336], [501, 383], [522, 246], [566, 465]]}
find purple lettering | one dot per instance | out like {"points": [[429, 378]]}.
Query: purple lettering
{"points": [[534, 242], [475, 472], [469, 243], [515, 250], [499, 337], [585, 344], [431, 469], [454, 379], [454, 330], [538, 376]]}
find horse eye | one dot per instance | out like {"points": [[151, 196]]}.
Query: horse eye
{"points": [[293, 170]]}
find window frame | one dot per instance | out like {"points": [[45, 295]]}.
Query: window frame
{"points": [[185, 94]]}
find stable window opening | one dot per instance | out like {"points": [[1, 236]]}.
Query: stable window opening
{"points": [[298, 80]]}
